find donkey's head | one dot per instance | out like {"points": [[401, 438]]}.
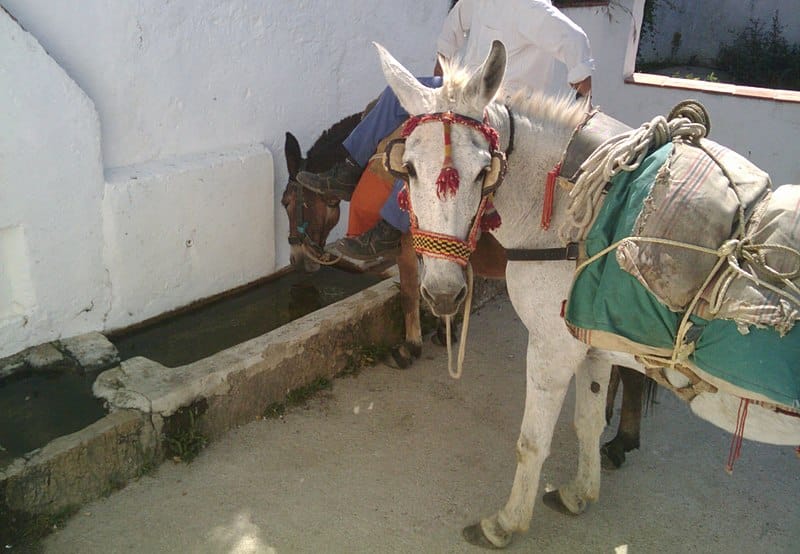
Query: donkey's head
{"points": [[311, 215], [451, 161]]}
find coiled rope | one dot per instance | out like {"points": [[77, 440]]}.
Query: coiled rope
{"points": [[624, 152]]}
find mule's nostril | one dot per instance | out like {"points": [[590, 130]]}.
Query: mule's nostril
{"points": [[426, 295], [460, 296]]}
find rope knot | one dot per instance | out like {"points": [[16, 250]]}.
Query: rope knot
{"points": [[730, 247]]}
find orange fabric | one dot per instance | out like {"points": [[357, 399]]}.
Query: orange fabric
{"points": [[368, 198]]}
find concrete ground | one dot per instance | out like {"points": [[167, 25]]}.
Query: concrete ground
{"points": [[399, 461]]}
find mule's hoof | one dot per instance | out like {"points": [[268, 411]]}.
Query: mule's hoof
{"points": [[611, 458], [473, 534], [415, 349], [553, 501], [402, 357]]}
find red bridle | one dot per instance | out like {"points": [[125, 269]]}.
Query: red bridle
{"points": [[446, 246]]}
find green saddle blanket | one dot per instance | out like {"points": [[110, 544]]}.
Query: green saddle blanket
{"points": [[604, 297]]}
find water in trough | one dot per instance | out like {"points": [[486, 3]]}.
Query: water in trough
{"points": [[40, 406]]}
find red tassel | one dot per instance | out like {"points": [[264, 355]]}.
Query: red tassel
{"points": [[549, 195], [403, 201], [447, 183], [491, 219], [738, 435]]}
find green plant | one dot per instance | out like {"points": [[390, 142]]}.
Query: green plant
{"points": [[761, 56], [184, 444], [297, 397]]}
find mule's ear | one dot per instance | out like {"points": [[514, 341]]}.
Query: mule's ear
{"points": [[294, 157], [415, 97], [486, 81]]}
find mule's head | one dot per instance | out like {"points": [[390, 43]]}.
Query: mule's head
{"points": [[311, 215], [451, 161]]}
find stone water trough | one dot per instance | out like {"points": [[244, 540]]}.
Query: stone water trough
{"points": [[150, 406]]}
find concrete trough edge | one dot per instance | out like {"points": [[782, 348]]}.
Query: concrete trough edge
{"points": [[233, 387]]}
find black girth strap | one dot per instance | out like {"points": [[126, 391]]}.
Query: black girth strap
{"points": [[569, 252]]}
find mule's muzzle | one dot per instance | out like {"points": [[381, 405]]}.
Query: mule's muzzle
{"points": [[444, 303]]}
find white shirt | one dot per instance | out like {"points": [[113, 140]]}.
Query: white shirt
{"points": [[546, 50]]}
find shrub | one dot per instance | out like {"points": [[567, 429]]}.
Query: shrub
{"points": [[761, 56]]}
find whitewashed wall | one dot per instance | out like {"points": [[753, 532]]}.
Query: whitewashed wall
{"points": [[145, 157], [704, 26]]}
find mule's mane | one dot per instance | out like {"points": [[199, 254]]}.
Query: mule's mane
{"points": [[327, 150], [548, 110]]}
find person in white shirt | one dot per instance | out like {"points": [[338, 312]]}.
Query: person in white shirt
{"points": [[546, 52]]}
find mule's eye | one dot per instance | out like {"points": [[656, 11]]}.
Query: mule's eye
{"points": [[410, 169]]}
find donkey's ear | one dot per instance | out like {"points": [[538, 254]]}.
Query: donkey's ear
{"points": [[415, 97], [294, 157], [486, 81]]}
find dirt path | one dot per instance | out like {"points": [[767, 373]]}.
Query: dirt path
{"points": [[400, 461]]}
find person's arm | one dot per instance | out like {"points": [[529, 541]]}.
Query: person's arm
{"points": [[455, 28], [584, 87], [549, 29]]}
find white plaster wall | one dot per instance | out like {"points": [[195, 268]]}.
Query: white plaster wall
{"points": [[175, 234], [705, 26], [193, 99], [179, 77], [52, 278], [763, 130]]}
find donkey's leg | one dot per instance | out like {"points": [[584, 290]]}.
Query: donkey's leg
{"points": [[591, 382], [407, 266], [627, 437]]}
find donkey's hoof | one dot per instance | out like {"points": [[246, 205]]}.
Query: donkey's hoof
{"points": [[473, 534], [610, 457], [554, 501], [415, 349], [402, 356]]}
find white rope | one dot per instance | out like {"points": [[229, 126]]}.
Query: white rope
{"points": [[624, 152], [462, 348], [730, 251]]}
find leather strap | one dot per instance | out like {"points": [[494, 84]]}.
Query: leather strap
{"points": [[569, 252]]}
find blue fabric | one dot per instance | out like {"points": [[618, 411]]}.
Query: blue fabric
{"points": [[391, 211], [384, 118]]}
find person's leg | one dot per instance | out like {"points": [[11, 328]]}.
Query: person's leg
{"points": [[385, 117], [392, 213], [383, 239]]}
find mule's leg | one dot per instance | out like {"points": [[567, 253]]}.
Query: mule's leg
{"points": [[627, 438], [552, 358], [407, 266], [611, 397], [544, 395], [591, 383]]}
